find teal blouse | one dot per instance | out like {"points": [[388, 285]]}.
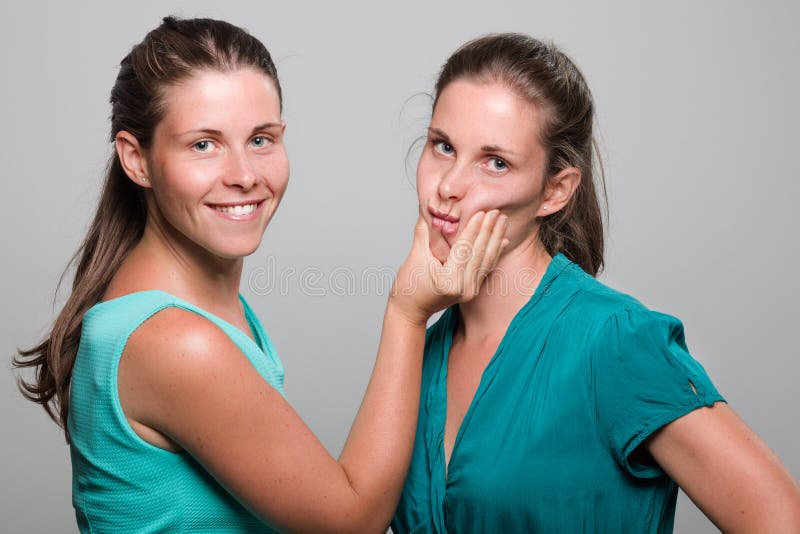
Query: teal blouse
{"points": [[582, 376], [121, 483]]}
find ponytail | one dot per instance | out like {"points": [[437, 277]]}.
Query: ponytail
{"points": [[117, 226]]}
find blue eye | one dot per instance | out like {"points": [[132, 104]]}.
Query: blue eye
{"points": [[204, 146], [497, 164], [443, 147], [259, 141]]}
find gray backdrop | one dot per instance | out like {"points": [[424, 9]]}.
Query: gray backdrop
{"points": [[697, 119]]}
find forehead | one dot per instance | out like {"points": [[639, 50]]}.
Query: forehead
{"points": [[214, 99], [489, 113]]}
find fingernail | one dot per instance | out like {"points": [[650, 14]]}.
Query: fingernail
{"points": [[504, 243]]}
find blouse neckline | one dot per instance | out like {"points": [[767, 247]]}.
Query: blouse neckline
{"points": [[557, 264]]}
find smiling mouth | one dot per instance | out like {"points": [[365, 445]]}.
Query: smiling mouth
{"points": [[237, 211]]}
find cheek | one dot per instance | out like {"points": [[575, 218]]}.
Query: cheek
{"points": [[479, 198], [276, 169], [182, 182], [508, 197], [487, 197], [427, 177]]}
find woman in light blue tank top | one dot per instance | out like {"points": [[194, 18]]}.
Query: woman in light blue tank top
{"points": [[168, 388]]}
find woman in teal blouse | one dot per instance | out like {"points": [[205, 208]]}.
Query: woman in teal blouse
{"points": [[550, 402]]}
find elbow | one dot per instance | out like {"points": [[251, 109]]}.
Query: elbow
{"points": [[361, 523], [364, 517], [348, 526], [354, 516], [336, 520], [343, 525], [350, 513], [366, 512]]}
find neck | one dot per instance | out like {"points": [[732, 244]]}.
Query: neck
{"points": [[169, 261], [509, 287]]}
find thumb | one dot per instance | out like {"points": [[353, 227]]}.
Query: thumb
{"points": [[421, 247], [421, 235]]}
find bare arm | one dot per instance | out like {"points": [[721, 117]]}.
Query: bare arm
{"points": [[183, 377], [728, 471], [372, 440]]}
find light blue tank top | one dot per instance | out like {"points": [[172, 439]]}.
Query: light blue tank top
{"points": [[121, 483]]}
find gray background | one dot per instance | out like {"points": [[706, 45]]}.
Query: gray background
{"points": [[697, 119]]}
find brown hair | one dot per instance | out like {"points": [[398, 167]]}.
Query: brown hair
{"points": [[549, 79], [168, 54]]}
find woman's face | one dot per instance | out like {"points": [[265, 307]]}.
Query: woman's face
{"points": [[482, 152], [217, 164]]}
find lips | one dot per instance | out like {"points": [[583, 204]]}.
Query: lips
{"points": [[444, 222], [237, 211]]}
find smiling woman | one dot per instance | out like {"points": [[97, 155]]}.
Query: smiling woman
{"points": [[202, 179], [168, 388]]}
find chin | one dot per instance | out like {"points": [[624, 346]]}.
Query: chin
{"points": [[236, 252]]}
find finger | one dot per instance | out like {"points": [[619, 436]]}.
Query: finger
{"points": [[478, 252], [421, 245], [462, 249], [494, 248], [421, 236], [449, 277]]}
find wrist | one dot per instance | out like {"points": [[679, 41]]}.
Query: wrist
{"points": [[407, 311]]}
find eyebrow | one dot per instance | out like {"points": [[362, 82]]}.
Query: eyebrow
{"points": [[218, 133], [439, 133], [484, 148], [496, 148]]}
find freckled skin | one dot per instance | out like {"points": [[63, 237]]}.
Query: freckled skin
{"points": [[191, 170]]}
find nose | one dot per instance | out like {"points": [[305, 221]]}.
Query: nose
{"points": [[454, 183], [240, 171]]}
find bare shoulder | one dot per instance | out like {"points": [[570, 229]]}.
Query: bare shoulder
{"points": [[176, 363], [176, 343], [175, 334]]}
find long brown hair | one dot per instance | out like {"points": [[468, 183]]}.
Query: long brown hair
{"points": [[168, 54], [548, 78]]}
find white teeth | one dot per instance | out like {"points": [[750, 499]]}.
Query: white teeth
{"points": [[237, 210]]}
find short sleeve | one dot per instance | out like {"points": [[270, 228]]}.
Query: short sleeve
{"points": [[643, 378]]}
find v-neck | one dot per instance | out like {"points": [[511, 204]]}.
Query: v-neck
{"points": [[556, 265], [254, 325], [583, 375]]}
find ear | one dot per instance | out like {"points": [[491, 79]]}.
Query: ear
{"points": [[132, 157], [559, 190]]}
